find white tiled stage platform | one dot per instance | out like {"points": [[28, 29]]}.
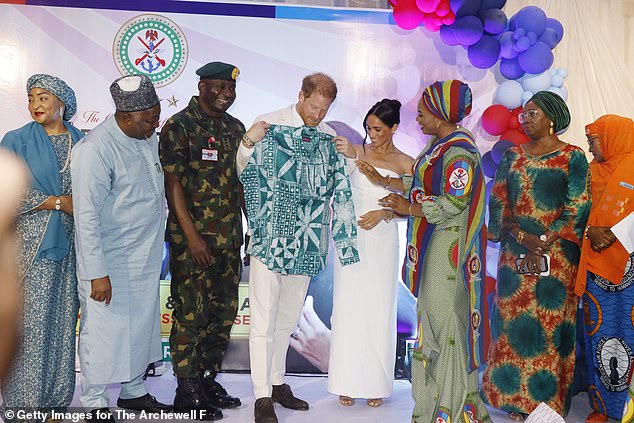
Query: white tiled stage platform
{"points": [[324, 407]]}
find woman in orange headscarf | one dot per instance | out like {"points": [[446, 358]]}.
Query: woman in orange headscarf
{"points": [[605, 277]]}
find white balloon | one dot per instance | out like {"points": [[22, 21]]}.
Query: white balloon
{"points": [[509, 94], [536, 83]]}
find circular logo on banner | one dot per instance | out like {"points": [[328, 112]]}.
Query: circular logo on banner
{"points": [[152, 45]]}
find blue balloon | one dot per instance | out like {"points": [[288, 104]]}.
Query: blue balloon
{"points": [[519, 32], [556, 26], [497, 152], [507, 50], [467, 30], [488, 165], [510, 69], [537, 59], [532, 37], [522, 44], [494, 21], [550, 38], [532, 19], [492, 4], [448, 36], [465, 7], [485, 53]]}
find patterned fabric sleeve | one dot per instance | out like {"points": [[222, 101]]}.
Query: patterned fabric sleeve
{"points": [[458, 166], [571, 223], [500, 216], [174, 148], [344, 226], [31, 199]]}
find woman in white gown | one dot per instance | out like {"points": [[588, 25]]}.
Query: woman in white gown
{"points": [[363, 337]]}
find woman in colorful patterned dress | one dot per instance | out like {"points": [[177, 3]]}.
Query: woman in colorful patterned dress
{"points": [[43, 371], [606, 270], [537, 211], [444, 264]]}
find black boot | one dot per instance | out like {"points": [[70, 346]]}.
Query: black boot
{"points": [[190, 398], [216, 394]]}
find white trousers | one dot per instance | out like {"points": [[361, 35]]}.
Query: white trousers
{"points": [[275, 304], [96, 396]]}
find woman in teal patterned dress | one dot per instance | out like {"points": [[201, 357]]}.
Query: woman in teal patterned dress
{"points": [[43, 370], [444, 266], [538, 207]]}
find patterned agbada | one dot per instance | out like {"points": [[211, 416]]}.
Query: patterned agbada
{"points": [[201, 151], [533, 322], [289, 217]]}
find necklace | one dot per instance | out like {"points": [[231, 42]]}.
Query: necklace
{"points": [[70, 143]]}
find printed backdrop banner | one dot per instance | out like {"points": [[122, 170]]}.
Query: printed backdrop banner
{"points": [[274, 47]]}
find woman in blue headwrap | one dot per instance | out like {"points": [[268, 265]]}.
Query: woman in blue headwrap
{"points": [[43, 370], [444, 265]]}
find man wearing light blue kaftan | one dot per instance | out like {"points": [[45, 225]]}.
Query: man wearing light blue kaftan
{"points": [[120, 221]]}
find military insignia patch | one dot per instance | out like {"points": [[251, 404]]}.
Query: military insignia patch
{"points": [[459, 175], [152, 45], [234, 73]]}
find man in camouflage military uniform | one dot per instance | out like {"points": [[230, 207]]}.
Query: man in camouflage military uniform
{"points": [[198, 149]]}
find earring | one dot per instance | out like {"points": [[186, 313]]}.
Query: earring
{"points": [[551, 131], [437, 124]]}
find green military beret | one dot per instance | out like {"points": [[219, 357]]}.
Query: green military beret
{"points": [[218, 70]]}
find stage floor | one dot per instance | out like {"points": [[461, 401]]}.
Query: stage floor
{"points": [[324, 407]]}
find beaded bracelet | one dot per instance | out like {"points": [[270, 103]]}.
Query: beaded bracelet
{"points": [[58, 203], [389, 217], [520, 237], [247, 141]]}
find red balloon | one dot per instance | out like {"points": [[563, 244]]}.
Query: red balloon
{"points": [[495, 119], [515, 136], [407, 15]]}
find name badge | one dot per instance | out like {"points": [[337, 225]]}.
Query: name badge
{"points": [[626, 185], [210, 155]]}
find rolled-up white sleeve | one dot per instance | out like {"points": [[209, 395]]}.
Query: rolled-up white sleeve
{"points": [[242, 157], [91, 185]]}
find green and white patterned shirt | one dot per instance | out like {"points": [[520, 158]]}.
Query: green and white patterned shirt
{"points": [[289, 182]]}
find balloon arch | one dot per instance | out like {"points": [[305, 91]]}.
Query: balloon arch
{"points": [[522, 44]]}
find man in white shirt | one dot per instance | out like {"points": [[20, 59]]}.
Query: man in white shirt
{"points": [[276, 294]]}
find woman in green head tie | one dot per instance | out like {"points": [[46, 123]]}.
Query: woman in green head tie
{"points": [[537, 211]]}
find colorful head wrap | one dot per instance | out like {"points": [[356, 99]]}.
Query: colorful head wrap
{"points": [[58, 88], [448, 100], [554, 107]]}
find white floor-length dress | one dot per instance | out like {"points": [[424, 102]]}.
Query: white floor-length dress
{"points": [[363, 338]]}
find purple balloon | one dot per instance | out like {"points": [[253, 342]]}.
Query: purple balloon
{"points": [[518, 33], [488, 165], [492, 4], [468, 30], [465, 7], [484, 53], [550, 38], [506, 46], [447, 36], [494, 21], [532, 19], [497, 152], [347, 131], [510, 69], [512, 26], [536, 59], [555, 25], [522, 44]]}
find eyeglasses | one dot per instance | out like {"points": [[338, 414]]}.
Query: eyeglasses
{"points": [[592, 140], [528, 114]]}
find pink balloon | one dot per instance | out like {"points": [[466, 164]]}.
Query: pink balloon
{"points": [[495, 119], [427, 6], [443, 9], [407, 15]]}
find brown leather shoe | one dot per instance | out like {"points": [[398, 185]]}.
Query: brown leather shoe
{"points": [[264, 411], [283, 395]]}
